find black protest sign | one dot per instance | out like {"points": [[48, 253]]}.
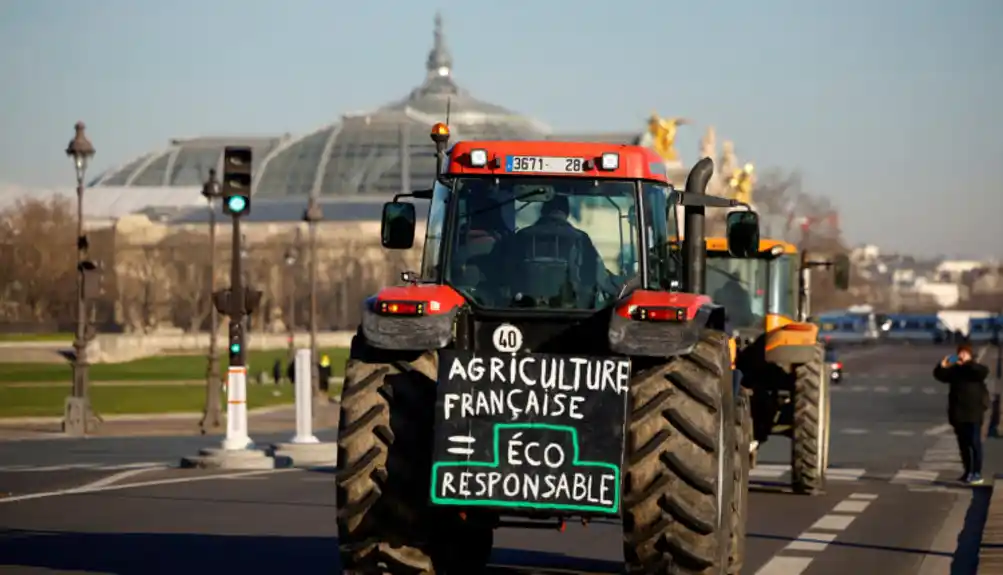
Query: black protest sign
{"points": [[530, 431]]}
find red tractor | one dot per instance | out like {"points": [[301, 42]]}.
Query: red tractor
{"points": [[549, 362]]}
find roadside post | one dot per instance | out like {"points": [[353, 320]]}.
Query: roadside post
{"points": [[304, 393], [237, 450], [304, 449]]}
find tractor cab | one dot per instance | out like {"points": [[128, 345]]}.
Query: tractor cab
{"points": [[557, 237]]}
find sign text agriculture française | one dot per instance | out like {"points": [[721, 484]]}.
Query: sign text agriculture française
{"points": [[530, 431]]}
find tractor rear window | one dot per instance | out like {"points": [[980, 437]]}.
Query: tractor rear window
{"points": [[542, 243]]}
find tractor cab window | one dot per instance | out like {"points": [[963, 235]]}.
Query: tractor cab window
{"points": [[784, 286], [665, 272], [432, 250], [541, 243], [738, 284]]}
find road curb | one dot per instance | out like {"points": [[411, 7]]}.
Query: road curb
{"points": [[127, 417], [991, 548]]}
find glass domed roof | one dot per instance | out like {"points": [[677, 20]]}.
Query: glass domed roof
{"points": [[367, 152]]}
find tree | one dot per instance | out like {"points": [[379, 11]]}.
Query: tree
{"points": [[38, 260]]}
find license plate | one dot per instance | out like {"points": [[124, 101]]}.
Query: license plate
{"points": [[530, 431], [544, 164]]}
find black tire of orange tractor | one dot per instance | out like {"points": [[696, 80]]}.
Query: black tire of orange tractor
{"points": [[808, 434], [677, 487], [740, 497], [385, 524]]}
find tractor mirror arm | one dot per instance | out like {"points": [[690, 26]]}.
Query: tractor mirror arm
{"points": [[417, 194]]}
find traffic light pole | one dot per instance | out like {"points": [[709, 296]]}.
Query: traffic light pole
{"points": [[236, 389]]}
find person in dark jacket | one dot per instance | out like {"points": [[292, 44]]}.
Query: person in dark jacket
{"points": [[967, 402]]}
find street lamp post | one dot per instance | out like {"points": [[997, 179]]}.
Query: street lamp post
{"points": [[212, 414], [313, 215], [290, 259], [78, 416]]}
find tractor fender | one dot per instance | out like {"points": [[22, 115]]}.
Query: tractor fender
{"points": [[432, 329], [661, 338]]}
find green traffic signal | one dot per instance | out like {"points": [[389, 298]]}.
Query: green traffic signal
{"points": [[236, 204], [234, 348]]}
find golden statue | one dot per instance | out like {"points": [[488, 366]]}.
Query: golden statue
{"points": [[741, 183], [663, 132]]}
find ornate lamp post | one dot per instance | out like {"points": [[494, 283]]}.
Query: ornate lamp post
{"points": [[78, 416], [313, 215], [212, 414], [290, 259]]}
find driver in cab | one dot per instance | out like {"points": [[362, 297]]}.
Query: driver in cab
{"points": [[736, 302], [552, 243]]}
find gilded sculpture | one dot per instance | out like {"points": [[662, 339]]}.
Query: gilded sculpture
{"points": [[663, 134]]}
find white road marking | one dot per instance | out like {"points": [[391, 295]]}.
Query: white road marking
{"points": [[818, 537], [844, 474], [830, 522], [809, 541], [781, 565], [854, 431], [930, 390], [881, 389], [915, 476], [850, 506], [905, 389], [902, 433], [115, 478], [460, 451], [938, 429], [151, 483], [84, 466]]}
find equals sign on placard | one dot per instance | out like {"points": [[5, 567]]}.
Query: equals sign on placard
{"points": [[464, 448]]}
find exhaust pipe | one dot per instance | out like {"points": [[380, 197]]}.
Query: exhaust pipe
{"points": [[695, 271]]}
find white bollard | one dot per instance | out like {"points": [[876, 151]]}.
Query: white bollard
{"points": [[304, 398], [236, 410]]}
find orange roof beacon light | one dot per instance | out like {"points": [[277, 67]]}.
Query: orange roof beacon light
{"points": [[440, 135]]}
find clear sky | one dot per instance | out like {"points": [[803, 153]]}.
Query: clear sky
{"points": [[892, 108]]}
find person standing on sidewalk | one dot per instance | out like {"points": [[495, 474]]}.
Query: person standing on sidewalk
{"points": [[967, 403]]}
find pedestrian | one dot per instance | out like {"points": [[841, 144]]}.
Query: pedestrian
{"points": [[967, 403], [277, 371], [325, 372]]}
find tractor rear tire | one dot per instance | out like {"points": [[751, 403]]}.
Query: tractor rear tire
{"points": [[810, 433], [677, 488], [740, 497], [385, 524]]}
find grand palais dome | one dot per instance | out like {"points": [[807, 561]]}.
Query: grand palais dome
{"points": [[358, 154]]}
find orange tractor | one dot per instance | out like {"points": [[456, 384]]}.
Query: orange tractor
{"points": [[777, 349]]}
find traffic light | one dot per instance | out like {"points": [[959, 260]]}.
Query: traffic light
{"points": [[237, 164], [236, 348]]}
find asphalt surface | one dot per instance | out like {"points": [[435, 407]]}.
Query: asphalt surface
{"points": [[892, 507]]}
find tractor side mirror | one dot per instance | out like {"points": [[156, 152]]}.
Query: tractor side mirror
{"points": [[743, 234], [841, 271], [397, 226]]}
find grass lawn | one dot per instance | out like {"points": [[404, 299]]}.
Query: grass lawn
{"points": [[153, 369], [29, 337], [43, 401]]}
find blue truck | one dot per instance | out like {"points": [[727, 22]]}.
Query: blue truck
{"points": [[844, 328], [913, 328], [985, 329]]}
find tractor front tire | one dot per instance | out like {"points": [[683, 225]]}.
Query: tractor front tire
{"points": [[385, 524], [740, 497], [810, 433], [679, 463]]}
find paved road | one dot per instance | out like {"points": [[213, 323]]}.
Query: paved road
{"points": [[891, 507]]}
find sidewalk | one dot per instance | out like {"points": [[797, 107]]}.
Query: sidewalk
{"points": [[991, 549], [266, 420]]}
